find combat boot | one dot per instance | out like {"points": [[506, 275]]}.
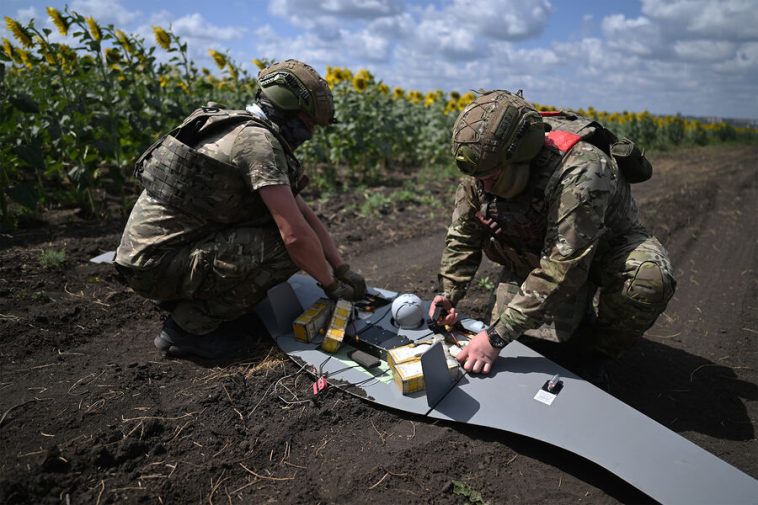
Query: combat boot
{"points": [[228, 341]]}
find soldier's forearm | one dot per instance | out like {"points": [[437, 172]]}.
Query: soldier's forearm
{"points": [[456, 273], [327, 242]]}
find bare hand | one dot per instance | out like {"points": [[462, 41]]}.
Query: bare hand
{"points": [[478, 355], [452, 315]]}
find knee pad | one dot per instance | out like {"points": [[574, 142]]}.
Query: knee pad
{"points": [[650, 286]]}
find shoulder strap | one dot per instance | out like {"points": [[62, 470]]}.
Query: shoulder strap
{"points": [[562, 140], [569, 128], [586, 129], [206, 119]]}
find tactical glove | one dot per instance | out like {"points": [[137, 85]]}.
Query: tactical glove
{"points": [[339, 290], [355, 280]]}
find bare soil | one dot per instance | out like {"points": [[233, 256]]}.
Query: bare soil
{"points": [[90, 412]]}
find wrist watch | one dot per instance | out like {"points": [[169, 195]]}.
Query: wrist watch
{"points": [[496, 340]]}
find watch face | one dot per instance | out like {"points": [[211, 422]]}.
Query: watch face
{"points": [[496, 340]]}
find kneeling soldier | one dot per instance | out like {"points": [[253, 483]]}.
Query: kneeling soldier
{"points": [[556, 210], [220, 220]]}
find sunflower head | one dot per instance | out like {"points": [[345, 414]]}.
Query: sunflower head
{"points": [[18, 32], [218, 58], [360, 83], [94, 29], [8, 48], [112, 56], [162, 38], [58, 20], [123, 39]]}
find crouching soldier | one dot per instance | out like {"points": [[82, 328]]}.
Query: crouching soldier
{"points": [[220, 220], [549, 198]]}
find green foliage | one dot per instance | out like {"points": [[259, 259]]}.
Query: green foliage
{"points": [[375, 202], [52, 258], [73, 120], [485, 283], [661, 132], [468, 493], [376, 133]]}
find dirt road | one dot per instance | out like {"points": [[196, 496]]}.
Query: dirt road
{"points": [[91, 413]]}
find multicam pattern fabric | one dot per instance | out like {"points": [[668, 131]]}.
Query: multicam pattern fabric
{"points": [[213, 273], [576, 215], [310, 90], [497, 127], [216, 278], [155, 228]]}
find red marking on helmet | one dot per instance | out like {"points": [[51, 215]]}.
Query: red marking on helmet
{"points": [[562, 140], [548, 113]]}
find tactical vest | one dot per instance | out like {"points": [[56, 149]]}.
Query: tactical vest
{"points": [[568, 128], [521, 221], [178, 175]]}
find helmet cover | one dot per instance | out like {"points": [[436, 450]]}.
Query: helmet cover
{"points": [[497, 129], [295, 86]]}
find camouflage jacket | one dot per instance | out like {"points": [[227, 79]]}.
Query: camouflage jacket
{"points": [[575, 208], [155, 228]]}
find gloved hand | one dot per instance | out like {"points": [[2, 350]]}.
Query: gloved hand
{"points": [[356, 281], [339, 290]]}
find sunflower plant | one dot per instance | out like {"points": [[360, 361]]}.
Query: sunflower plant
{"points": [[74, 118]]}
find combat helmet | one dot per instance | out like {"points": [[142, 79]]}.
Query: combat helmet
{"points": [[292, 85], [497, 129]]}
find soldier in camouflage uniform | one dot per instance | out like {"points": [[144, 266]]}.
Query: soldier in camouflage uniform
{"points": [[220, 220], [558, 213]]}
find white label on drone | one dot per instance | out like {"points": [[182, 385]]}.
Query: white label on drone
{"points": [[543, 396]]}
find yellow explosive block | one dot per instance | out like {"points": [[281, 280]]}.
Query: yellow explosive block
{"points": [[406, 353], [335, 333], [313, 321], [409, 376]]}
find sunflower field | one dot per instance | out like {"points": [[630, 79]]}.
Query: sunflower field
{"points": [[74, 117]]}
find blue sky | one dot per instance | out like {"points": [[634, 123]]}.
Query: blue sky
{"points": [[695, 57]]}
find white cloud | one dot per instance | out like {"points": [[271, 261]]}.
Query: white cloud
{"points": [[298, 10], [654, 60], [705, 18], [501, 19], [745, 61], [306, 47], [704, 50], [696, 56], [373, 46], [330, 16], [106, 11], [194, 26], [198, 33], [638, 36], [24, 15], [440, 36]]}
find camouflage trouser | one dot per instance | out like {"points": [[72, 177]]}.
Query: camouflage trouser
{"points": [[630, 286], [217, 279]]}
